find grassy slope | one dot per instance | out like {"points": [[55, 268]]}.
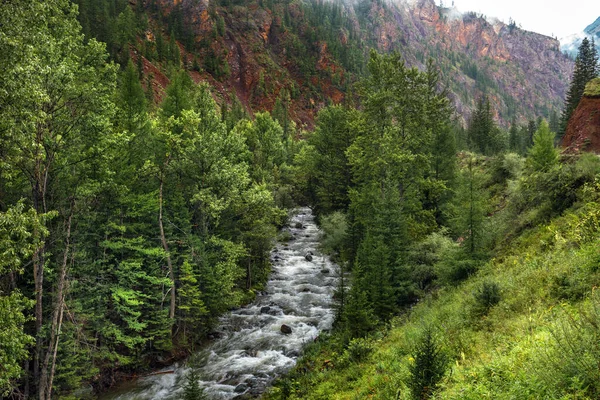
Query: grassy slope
{"points": [[540, 341]]}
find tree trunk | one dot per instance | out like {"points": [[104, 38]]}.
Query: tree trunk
{"points": [[45, 383], [249, 274], [165, 245]]}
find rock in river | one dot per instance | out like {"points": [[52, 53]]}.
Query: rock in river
{"points": [[285, 329]]}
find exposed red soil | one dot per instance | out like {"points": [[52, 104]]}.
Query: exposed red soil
{"points": [[583, 130]]}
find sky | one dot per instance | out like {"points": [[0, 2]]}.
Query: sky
{"points": [[550, 17]]}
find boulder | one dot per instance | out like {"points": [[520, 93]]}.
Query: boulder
{"points": [[298, 225], [308, 257], [242, 387], [285, 329], [324, 271], [265, 310]]}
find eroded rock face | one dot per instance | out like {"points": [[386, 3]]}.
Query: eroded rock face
{"points": [[583, 129], [522, 71]]}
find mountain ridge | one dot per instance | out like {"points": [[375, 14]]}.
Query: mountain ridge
{"points": [[317, 50]]}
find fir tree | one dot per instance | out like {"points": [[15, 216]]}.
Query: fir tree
{"points": [[586, 69], [542, 154]]}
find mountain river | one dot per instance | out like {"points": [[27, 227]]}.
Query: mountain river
{"points": [[250, 350]]}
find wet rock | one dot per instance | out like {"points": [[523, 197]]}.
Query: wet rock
{"points": [[214, 335], [298, 225], [293, 354], [265, 310], [305, 290], [306, 235], [324, 271], [242, 387], [285, 329], [308, 257], [252, 381]]}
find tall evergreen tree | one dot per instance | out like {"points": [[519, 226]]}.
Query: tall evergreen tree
{"points": [[586, 68], [542, 154], [483, 134]]}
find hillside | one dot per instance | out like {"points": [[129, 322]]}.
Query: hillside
{"points": [[317, 50], [525, 325]]}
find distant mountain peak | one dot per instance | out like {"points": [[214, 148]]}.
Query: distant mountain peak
{"points": [[593, 28], [571, 43]]}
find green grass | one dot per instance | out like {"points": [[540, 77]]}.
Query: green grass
{"points": [[541, 340], [592, 88]]}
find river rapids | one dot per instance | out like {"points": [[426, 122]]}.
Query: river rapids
{"points": [[251, 350]]}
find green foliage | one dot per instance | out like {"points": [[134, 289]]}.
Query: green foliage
{"points": [[264, 138], [21, 234], [586, 69], [429, 365], [358, 350], [80, 145], [574, 353], [328, 165], [334, 228], [592, 88], [469, 210], [483, 134], [179, 96], [542, 155], [131, 100], [485, 297], [191, 388]]}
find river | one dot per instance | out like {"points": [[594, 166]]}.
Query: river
{"points": [[251, 350]]}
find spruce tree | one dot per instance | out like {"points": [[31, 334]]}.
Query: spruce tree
{"points": [[482, 133], [542, 154], [586, 68]]}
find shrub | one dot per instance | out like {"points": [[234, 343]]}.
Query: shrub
{"points": [[334, 227], [486, 296], [571, 364], [358, 349], [429, 366], [456, 266], [191, 388]]}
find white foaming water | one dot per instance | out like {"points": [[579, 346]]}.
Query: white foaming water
{"points": [[252, 351]]}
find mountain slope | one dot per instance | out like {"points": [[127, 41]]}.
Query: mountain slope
{"points": [[525, 325], [317, 50], [571, 43]]}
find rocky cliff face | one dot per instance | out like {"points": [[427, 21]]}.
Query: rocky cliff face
{"points": [[583, 129], [306, 48]]}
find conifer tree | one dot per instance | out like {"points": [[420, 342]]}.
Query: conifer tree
{"points": [[586, 68], [514, 140], [131, 99], [483, 135], [542, 154]]}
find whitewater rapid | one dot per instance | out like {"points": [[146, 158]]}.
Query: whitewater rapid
{"points": [[250, 350]]}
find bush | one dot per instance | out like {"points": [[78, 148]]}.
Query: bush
{"points": [[486, 296], [429, 366], [571, 364], [334, 227], [358, 349], [191, 388], [455, 267]]}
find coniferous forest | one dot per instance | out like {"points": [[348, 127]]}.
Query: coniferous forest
{"points": [[130, 222]]}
